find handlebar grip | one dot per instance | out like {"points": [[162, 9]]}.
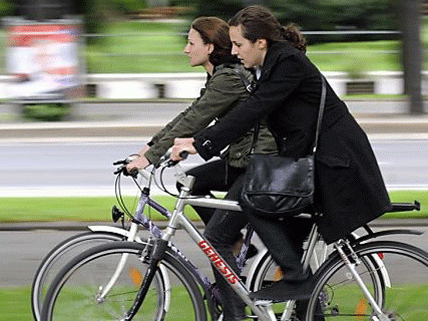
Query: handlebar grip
{"points": [[184, 154], [133, 172]]}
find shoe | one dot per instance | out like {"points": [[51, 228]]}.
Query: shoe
{"points": [[285, 290]]}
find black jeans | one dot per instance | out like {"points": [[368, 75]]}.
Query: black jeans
{"points": [[223, 228], [223, 231], [212, 176], [283, 238]]}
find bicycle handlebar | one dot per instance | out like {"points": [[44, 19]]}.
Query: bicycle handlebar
{"points": [[165, 161]]}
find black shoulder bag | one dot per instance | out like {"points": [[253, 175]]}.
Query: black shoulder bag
{"points": [[279, 186]]}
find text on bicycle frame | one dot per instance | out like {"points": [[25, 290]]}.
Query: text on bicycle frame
{"points": [[218, 262]]}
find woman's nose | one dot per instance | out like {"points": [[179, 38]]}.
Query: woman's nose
{"points": [[234, 52]]}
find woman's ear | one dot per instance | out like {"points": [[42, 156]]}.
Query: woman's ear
{"points": [[261, 44], [210, 48]]}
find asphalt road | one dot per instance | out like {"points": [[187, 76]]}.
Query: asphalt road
{"points": [[82, 168], [22, 252]]}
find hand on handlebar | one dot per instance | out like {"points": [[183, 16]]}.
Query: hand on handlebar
{"points": [[182, 145], [139, 163]]}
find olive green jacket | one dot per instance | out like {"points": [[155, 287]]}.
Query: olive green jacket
{"points": [[223, 91]]}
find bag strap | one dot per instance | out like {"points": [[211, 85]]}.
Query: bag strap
{"points": [[321, 112], [319, 121], [244, 79]]}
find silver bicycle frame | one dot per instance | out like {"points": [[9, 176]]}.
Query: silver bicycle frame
{"points": [[178, 219]]}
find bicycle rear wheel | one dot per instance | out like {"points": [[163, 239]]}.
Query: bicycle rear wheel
{"points": [[265, 271], [401, 297], [77, 291]]}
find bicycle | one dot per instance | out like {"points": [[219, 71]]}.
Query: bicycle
{"points": [[101, 234], [97, 234], [363, 291]]}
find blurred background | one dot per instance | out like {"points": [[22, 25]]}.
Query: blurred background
{"points": [[365, 47], [84, 83]]}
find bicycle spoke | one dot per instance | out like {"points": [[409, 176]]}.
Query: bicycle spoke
{"points": [[400, 294]]}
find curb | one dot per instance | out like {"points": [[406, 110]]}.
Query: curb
{"points": [[384, 125], [81, 226], [69, 225]]}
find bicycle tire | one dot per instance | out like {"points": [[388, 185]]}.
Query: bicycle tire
{"points": [[65, 300], [339, 297], [267, 272], [58, 257]]}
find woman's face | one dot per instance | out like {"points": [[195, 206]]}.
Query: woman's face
{"points": [[197, 50], [251, 54]]}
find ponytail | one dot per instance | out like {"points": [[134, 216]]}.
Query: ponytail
{"points": [[292, 34]]}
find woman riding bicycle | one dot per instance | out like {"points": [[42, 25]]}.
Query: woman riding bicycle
{"points": [[349, 191], [209, 46]]}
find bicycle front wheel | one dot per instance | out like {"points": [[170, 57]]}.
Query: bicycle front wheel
{"points": [[400, 293], [83, 290], [58, 257]]}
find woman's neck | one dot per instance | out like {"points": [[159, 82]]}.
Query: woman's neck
{"points": [[209, 67]]}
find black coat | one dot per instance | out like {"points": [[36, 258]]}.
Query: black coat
{"points": [[350, 190]]}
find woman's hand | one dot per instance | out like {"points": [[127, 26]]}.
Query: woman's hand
{"points": [[141, 162], [180, 145]]}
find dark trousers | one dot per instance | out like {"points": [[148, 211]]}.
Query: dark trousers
{"points": [[212, 176], [223, 228], [283, 238], [223, 231]]}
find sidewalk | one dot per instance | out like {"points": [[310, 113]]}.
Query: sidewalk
{"points": [[128, 120]]}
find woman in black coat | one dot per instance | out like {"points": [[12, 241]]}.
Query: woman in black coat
{"points": [[350, 190]]}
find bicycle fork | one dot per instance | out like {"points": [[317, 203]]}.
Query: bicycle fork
{"points": [[379, 315], [159, 249]]}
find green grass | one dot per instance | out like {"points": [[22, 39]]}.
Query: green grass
{"points": [[15, 304], [32, 209], [161, 48], [143, 47], [140, 47], [357, 57]]}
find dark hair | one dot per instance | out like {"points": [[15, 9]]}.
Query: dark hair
{"points": [[215, 31], [258, 22]]}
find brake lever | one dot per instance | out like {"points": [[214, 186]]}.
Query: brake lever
{"points": [[120, 162]]}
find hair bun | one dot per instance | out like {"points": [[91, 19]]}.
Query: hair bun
{"points": [[292, 34]]}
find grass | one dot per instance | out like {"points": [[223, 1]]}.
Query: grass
{"points": [[159, 48], [144, 47], [137, 47], [15, 303], [39, 209], [72, 208]]}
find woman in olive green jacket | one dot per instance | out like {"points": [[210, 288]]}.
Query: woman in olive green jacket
{"points": [[209, 46]]}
